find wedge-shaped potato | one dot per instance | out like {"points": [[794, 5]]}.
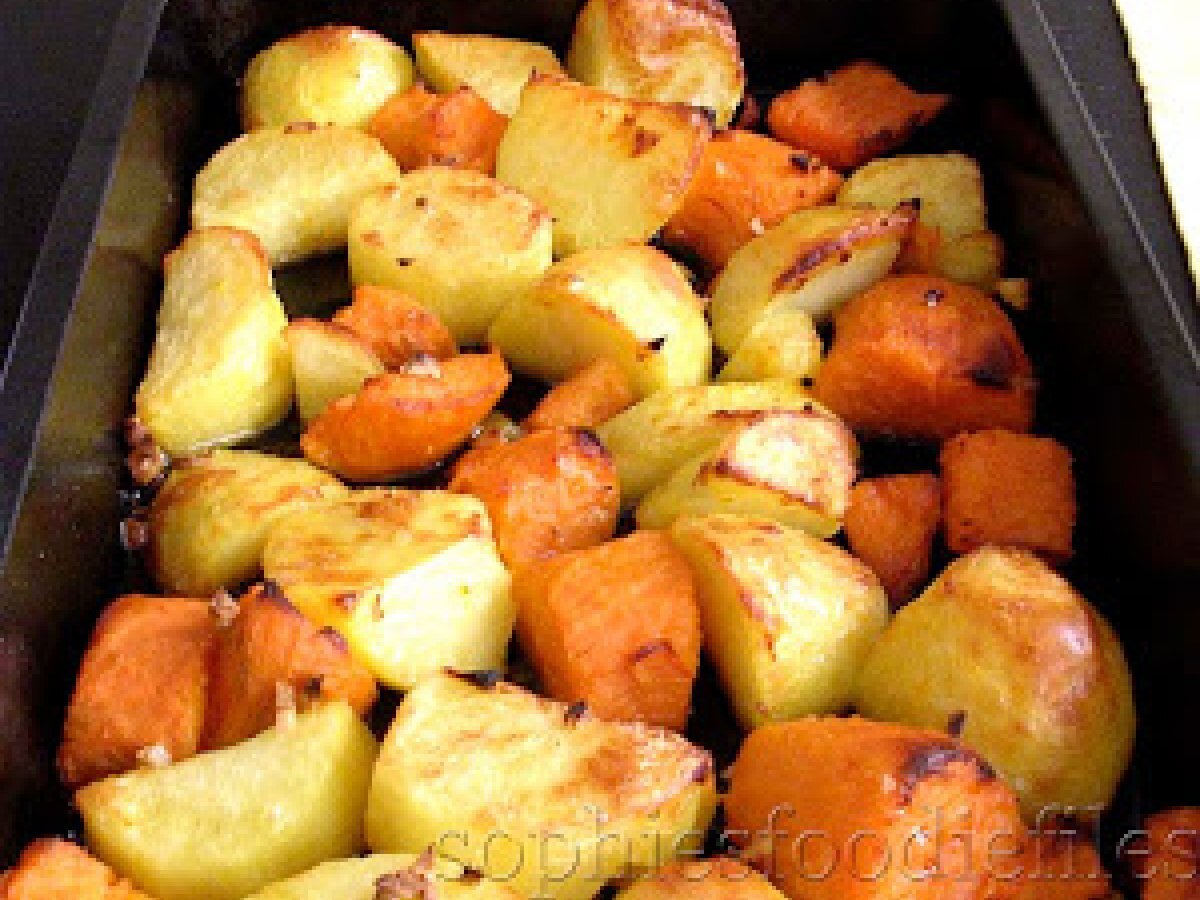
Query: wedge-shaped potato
{"points": [[496, 68], [328, 361], [531, 794], [211, 517], [628, 302], [367, 878], [661, 50], [784, 344], [651, 440], [788, 619], [224, 824], [814, 260], [336, 74], [411, 579], [220, 369], [293, 186], [609, 170], [791, 467], [460, 242], [976, 259]]}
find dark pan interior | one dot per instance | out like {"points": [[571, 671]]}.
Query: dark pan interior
{"points": [[1103, 378]]}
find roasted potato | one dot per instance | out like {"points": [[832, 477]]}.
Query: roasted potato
{"points": [[329, 361], [458, 130], [332, 75], [661, 50], [219, 370], [1046, 697], [722, 878], [211, 517], [591, 396], [496, 68], [411, 579], [609, 170], [532, 795], [292, 186], [222, 825], [784, 344], [56, 869], [788, 619], [460, 242], [371, 877], [627, 302], [398, 328]]}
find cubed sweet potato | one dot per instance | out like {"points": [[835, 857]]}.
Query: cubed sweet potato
{"points": [[271, 647], [616, 627], [852, 115], [745, 184], [890, 524], [54, 869], [143, 684], [552, 491], [1167, 862], [397, 327], [1008, 489], [457, 129], [922, 357], [590, 397], [404, 422]]}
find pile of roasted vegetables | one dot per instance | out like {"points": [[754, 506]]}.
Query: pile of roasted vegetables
{"points": [[689, 485]]}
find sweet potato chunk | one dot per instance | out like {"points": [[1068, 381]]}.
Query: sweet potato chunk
{"points": [[745, 184], [143, 684], [271, 649], [397, 327], [852, 115], [1009, 489], [54, 869], [615, 626], [1167, 864], [457, 129], [403, 422], [720, 878], [921, 357], [890, 525], [552, 491], [590, 397]]}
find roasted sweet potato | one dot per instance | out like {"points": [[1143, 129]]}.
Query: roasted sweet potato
{"points": [[404, 422], [616, 627], [398, 328], [890, 524], [590, 397], [271, 648], [458, 129], [1167, 862], [141, 689], [549, 492], [745, 184], [921, 357], [54, 869], [721, 878], [1057, 861], [1009, 489], [852, 115]]}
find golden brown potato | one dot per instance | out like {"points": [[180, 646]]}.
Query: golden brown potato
{"points": [[496, 68], [784, 344], [328, 362]]}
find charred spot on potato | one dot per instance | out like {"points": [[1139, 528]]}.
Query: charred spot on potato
{"points": [[996, 367], [372, 238], [929, 759], [956, 723], [802, 161], [654, 345], [485, 679], [404, 261], [575, 712], [644, 141], [300, 128], [934, 296], [647, 650]]}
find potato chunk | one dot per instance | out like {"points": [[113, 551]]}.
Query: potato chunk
{"points": [[783, 345], [629, 303], [523, 790], [335, 74], [224, 824], [496, 68], [609, 170], [661, 50], [366, 878], [460, 242], [54, 869], [209, 521], [292, 186], [328, 362], [787, 618], [411, 579], [220, 370]]}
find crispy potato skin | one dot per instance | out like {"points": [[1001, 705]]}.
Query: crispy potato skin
{"points": [[1171, 866], [54, 869], [891, 523], [921, 357], [497, 68], [616, 627], [720, 878], [590, 397], [397, 327], [458, 129], [143, 682]]}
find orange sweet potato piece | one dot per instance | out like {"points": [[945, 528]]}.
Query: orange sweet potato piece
{"points": [[1057, 862], [270, 644], [890, 525], [397, 327], [548, 492], [922, 357], [615, 626], [590, 397], [746, 183], [1167, 862], [1008, 489], [143, 683], [457, 129], [404, 422], [54, 869], [852, 115]]}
